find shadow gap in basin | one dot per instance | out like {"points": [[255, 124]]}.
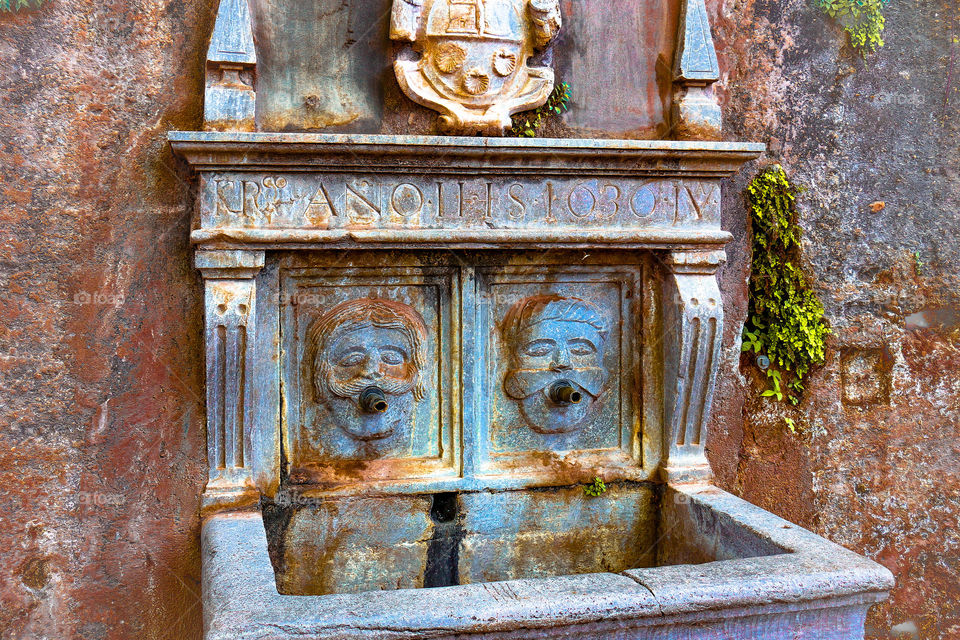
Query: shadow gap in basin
{"points": [[443, 552]]}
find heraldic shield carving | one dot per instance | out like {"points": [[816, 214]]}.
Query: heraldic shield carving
{"points": [[473, 65]]}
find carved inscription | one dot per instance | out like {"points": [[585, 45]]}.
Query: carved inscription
{"points": [[335, 201]]}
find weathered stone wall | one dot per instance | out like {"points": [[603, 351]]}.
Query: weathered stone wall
{"points": [[101, 371], [101, 422], [876, 466]]}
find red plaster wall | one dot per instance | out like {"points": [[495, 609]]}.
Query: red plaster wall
{"points": [[101, 419]]}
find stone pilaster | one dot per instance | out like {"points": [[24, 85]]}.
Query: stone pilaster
{"points": [[230, 318], [692, 333]]}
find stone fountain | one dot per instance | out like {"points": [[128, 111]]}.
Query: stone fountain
{"points": [[421, 349]]}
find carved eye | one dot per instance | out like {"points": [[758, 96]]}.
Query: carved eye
{"points": [[393, 355], [352, 358], [539, 348], [581, 347]]}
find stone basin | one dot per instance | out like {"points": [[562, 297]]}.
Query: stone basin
{"points": [[718, 568], [480, 276], [422, 350]]}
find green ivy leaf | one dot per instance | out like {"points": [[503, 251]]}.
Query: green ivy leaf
{"points": [[786, 318], [863, 21], [555, 105]]}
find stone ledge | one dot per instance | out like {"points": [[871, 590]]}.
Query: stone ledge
{"points": [[337, 152], [650, 238]]}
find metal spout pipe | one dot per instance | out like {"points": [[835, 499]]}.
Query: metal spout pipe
{"points": [[373, 400], [563, 392]]}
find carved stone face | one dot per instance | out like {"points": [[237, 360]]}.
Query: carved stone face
{"points": [[364, 345], [555, 343]]}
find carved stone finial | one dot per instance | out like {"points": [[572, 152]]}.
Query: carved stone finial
{"points": [[473, 53], [696, 113], [229, 99]]}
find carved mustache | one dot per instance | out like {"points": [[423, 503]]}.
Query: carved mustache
{"points": [[352, 387], [523, 383]]}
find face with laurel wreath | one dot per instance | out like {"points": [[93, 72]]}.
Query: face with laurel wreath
{"points": [[554, 340]]}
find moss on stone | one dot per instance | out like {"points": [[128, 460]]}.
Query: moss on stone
{"points": [[17, 5], [785, 321], [861, 19]]}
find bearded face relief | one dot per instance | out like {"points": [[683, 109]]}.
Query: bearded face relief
{"points": [[556, 372], [367, 363]]}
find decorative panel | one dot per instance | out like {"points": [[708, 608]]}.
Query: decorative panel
{"points": [[367, 373], [560, 382]]}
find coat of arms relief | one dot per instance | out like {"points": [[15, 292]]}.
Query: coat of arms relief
{"points": [[473, 66]]}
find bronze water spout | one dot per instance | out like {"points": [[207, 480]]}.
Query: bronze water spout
{"points": [[373, 400]]}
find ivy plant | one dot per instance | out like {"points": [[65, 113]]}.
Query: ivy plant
{"points": [[527, 123], [861, 19], [17, 5], [786, 319]]}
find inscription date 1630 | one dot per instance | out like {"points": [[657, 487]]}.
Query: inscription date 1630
{"points": [[331, 201]]}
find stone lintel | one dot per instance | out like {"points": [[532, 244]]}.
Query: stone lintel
{"points": [[371, 153], [467, 239], [374, 191]]}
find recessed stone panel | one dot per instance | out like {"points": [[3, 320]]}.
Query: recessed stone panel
{"points": [[517, 534], [367, 374], [560, 381], [865, 375], [347, 545]]}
